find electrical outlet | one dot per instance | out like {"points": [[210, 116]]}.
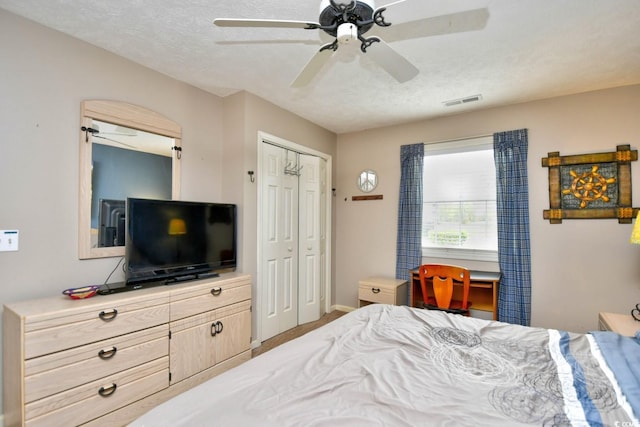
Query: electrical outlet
{"points": [[8, 240]]}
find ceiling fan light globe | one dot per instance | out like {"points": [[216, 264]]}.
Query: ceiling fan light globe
{"points": [[347, 33]]}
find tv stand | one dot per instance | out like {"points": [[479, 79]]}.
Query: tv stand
{"points": [[120, 354]]}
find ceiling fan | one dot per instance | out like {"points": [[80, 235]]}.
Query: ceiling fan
{"points": [[349, 20]]}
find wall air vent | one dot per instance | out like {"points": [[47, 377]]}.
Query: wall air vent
{"points": [[461, 101]]}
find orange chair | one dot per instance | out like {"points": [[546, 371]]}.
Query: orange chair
{"points": [[443, 278]]}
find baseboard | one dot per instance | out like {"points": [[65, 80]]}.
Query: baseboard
{"points": [[342, 308]]}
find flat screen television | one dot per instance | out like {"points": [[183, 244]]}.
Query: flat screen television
{"points": [[111, 222], [169, 240]]}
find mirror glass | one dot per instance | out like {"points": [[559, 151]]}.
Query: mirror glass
{"points": [[121, 156], [367, 180], [124, 162]]}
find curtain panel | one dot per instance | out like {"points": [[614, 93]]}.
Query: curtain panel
{"points": [[514, 253], [409, 241]]}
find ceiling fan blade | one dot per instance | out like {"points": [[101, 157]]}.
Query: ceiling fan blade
{"points": [[386, 6], [265, 23], [392, 62], [113, 140], [270, 41], [459, 22], [314, 66]]}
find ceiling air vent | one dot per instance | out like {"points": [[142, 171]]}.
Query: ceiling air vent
{"points": [[461, 101]]}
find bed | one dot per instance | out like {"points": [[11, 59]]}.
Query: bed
{"points": [[401, 366]]}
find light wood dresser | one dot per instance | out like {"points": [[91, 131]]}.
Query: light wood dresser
{"points": [[382, 290], [108, 359]]}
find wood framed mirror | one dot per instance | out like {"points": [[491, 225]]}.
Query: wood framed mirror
{"points": [[125, 151]]}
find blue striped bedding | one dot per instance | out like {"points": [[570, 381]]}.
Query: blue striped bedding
{"points": [[622, 355]]}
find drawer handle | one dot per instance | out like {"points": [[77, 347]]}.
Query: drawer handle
{"points": [[108, 314], [375, 290], [216, 328], [216, 291], [107, 354], [107, 391]]}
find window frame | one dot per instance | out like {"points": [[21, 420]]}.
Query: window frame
{"points": [[480, 143]]}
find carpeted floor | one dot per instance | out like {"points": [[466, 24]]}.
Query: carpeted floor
{"points": [[296, 332]]}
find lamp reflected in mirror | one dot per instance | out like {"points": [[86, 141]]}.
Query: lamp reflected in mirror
{"points": [[177, 228]]}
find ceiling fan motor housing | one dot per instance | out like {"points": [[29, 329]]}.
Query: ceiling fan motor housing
{"points": [[352, 12]]}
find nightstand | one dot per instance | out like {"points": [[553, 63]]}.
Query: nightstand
{"points": [[382, 290], [623, 324]]}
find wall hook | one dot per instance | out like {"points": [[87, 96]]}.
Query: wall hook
{"points": [[88, 131], [251, 177]]}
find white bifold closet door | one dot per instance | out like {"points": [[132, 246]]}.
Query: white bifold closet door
{"points": [[292, 239]]}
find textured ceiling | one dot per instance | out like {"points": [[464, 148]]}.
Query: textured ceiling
{"points": [[529, 49]]}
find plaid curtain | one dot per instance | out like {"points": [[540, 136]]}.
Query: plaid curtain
{"points": [[514, 254], [409, 242]]}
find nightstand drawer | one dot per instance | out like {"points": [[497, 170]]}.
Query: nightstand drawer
{"points": [[382, 290], [377, 294]]}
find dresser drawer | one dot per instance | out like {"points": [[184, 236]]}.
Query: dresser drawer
{"points": [[209, 296], [96, 325], [64, 370], [92, 400]]}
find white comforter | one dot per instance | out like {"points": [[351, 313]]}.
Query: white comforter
{"points": [[398, 366]]}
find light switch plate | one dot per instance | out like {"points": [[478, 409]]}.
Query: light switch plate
{"points": [[8, 240]]}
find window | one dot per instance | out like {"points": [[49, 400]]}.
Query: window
{"points": [[459, 212]]}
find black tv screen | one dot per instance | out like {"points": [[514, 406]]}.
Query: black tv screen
{"points": [[171, 240]]}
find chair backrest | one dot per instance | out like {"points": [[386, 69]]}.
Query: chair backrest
{"points": [[443, 278]]}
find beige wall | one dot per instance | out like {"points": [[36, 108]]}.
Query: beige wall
{"points": [[245, 115], [44, 76], [579, 267]]}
